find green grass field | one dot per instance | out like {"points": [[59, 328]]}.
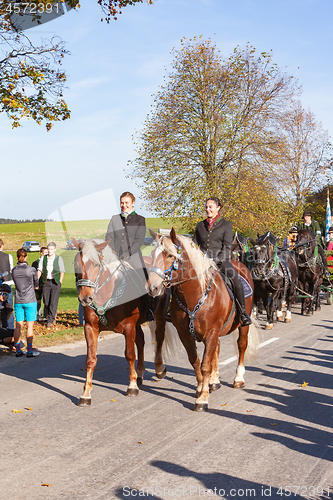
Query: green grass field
{"points": [[14, 235]]}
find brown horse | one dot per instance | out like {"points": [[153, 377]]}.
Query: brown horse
{"points": [[112, 304], [201, 307]]}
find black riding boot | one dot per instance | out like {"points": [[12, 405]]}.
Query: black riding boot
{"points": [[228, 269], [149, 306]]}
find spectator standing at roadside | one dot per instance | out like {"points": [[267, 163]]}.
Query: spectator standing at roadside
{"points": [[6, 310], [26, 281], [6, 264], [51, 271], [39, 292]]}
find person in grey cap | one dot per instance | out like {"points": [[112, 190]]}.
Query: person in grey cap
{"points": [[290, 240], [313, 226]]}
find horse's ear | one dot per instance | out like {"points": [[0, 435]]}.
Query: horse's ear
{"points": [[76, 243], [154, 235], [258, 236], [173, 236], [100, 247], [252, 241]]}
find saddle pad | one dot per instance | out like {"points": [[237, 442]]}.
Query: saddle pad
{"points": [[246, 287]]}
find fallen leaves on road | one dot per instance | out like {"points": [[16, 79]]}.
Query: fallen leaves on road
{"points": [[225, 404], [249, 411], [112, 399], [28, 408], [46, 484], [305, 384], [273, 424], [140, 442], [17, 411]]}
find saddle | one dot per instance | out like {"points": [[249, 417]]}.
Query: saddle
{"points": [[248, 291]]}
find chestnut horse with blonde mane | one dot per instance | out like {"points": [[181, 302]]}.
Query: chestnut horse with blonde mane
{"points": [[201, 307], [109, 306]]}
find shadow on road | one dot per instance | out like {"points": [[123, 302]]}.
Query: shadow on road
{"points": [[217, 485]]}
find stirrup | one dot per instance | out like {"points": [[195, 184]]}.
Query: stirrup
{"points": [[245, 319]]}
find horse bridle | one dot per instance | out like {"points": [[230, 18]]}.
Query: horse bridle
{"points": [[95, 284], [167, 275], [307, 262], [101, 310], [259, 275]]}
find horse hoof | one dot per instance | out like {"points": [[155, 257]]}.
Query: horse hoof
{"points": [[201, 407], [84, 402], [132, 392], [162, 374], [214, 387], [287, 320], [309, 313], [238, 384], [268, 327], [280, 318], [139, 380]]}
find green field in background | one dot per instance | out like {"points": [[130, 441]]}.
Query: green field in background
{"points": [[14, 235]]}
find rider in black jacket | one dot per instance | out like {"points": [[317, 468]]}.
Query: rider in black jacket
{"points": [[126, 232], [214, 237]]}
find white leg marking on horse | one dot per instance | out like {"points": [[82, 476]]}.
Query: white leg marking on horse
{"points": [[288, 315], [133, 385], [240, 374], [279, 314]]}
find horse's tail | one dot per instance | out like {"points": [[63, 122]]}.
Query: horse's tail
{"points": [[253, 341], [171, 344]]}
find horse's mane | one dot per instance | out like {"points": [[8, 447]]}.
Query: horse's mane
{"points": [[89, 252], [201, 264], [306, 232], [270, 236]]}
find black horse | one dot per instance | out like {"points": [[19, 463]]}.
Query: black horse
{"points": [[241, 251], [310, 270], [275, 274]]}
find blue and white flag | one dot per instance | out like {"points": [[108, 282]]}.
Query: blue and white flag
{"points": [[328, 216]]}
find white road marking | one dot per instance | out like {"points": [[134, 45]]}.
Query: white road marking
{"points": [[235, 358]]}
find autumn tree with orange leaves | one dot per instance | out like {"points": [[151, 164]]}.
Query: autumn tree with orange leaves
{"points": [[31, 76], [213, 130]]}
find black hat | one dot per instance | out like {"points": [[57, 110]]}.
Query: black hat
{"points": [[293, 229], [5, 288], [306, 213], [330, 229]]}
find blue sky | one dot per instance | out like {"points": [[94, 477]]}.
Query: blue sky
{"points": [[114, 70]]}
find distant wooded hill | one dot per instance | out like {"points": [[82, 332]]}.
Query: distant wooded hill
{"points": [[15, 221]]}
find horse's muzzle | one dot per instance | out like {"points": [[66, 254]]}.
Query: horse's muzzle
{"points": [[86, 300], [155, 291]]}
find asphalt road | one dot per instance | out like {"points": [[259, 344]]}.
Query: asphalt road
{"points": [[272, 439]]}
